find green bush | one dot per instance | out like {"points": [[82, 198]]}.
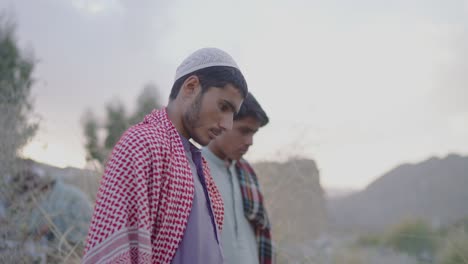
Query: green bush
{"points": [[414, 237], [369, 240], [455, 248]]}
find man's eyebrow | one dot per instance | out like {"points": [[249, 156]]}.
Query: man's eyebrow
{"points": [[248, 129]]}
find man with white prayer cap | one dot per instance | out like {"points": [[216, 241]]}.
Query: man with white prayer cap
{"points": [[157, 202]]}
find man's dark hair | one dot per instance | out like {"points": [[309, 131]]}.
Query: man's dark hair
{"points": [[215, 76], [251, 108]]}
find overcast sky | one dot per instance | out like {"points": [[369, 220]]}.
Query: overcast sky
{"points": [[359, 86]]}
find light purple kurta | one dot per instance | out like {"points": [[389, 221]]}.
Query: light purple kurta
{"points": [[200, 242]]}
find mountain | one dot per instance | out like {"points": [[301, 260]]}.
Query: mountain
{"points": [[435, 190], [334, 193]]}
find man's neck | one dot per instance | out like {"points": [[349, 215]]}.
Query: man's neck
{"points": [[218, 153], [175, 115]]}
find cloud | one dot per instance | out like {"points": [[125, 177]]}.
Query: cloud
{"points": [[95, 7], [342, 77], [451, 95]]}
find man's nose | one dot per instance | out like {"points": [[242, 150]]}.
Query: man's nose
{"points": [[249, 140], [226, 122]]}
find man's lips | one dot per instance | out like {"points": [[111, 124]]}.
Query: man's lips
{"points": [[213, 133], [244, 150]]}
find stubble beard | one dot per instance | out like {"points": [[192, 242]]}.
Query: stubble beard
{"points": [[191, 118]]}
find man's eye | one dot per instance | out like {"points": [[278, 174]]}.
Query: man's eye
{"points": [[245, 131], [223, 107]]}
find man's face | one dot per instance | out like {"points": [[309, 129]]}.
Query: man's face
{"points": [[233, 144], [211, 113]]}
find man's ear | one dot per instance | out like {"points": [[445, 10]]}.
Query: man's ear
{"points": [[190, 87]]}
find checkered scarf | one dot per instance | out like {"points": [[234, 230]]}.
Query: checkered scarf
{"points": [[255, 211], [145, 197]]}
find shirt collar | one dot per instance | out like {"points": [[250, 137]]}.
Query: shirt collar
{"points": [[188, 146], [185, 143]]}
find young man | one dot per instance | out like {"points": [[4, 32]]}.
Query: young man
{"points": [[245, 237], [157, 202]]}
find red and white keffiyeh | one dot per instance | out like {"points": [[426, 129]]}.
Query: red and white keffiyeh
{"points": [[145, 197]]}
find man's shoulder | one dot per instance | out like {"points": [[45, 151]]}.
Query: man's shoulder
{"points": [[206, 153], [246, 166], [244, 162], [148, 132], [155, 126]]}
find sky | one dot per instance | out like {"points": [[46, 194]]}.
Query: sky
{"points": [[359, 86]]}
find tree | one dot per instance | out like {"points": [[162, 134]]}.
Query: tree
{"points": [[115, 123], [16, 129], [455, 247], [414, 237], [91, 126], [148, 100], [16, 81]]}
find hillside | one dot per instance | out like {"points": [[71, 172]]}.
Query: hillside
{"points": [[435, 190]]}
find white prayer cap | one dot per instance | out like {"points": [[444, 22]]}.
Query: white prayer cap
{"points": [[204, 58]]}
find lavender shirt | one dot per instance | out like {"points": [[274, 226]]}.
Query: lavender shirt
{"points": [[200, 242]]}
